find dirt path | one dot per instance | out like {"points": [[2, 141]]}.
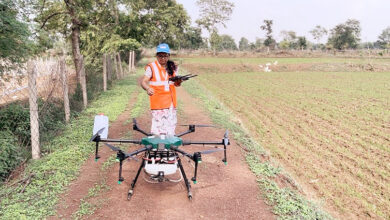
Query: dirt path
{"points": [[222, 192]]}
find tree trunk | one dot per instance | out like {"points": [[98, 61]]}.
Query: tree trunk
{"points": [[104, 72], [75, 36], [65, 88]]}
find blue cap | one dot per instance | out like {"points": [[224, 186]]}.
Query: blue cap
{"points": [[163, 48]]}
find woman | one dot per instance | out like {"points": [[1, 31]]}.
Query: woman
{"points": [[162, 92]]}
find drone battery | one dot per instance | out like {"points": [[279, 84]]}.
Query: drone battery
{"points": [[161, 161], [101, 121], [154, 168]]}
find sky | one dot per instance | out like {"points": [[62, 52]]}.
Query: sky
{"points": [[300, 16]]}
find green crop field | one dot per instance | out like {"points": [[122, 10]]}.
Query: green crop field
{"points": [[253, 60], [330, 130]]}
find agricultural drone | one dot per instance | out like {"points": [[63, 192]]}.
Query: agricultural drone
{"points": [[161, 154]]}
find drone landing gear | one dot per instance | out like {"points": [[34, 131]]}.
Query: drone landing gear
{"points": [[131, 192], [189, 194]]}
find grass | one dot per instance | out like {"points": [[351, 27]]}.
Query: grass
{"points": [[88, 207], [48, 177], [89, 203], [251, 60], [287, 203]]}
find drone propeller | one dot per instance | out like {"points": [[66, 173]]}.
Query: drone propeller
{"points": [[97, 134], [200, 126], [119, 150], [211, 151]]}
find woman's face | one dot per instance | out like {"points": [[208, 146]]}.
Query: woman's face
{"points": [[162, 58]]}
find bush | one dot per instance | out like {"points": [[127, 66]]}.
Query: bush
{"points": [[51, 118], [10, 154], [15, 118]]}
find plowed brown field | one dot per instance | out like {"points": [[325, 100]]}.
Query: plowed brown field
{"points": [[330, 130]]}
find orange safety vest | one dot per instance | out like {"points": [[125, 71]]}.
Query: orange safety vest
{"points": [[164, 90]]}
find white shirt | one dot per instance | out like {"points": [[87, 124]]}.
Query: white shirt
{"points": [[148, 72]]}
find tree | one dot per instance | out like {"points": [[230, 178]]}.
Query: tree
{"points": [[289, 40], [384, 38], [66, 17], [302, 42], [152, 22], [192, 39], [15, 45], [243, 44], [318, 32], [269, 41], [227, 43], [215, 41], [213, 13], [346, 35], [259, 42]]}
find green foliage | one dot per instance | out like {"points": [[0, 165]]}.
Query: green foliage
{"points": [[318, 32], [384, 38], [15, 118], [15, 45], [227, 43], [51, 116], [153, 22], [213, 13], [222, 42], [215, 40], [192, 39], [243, 44], [50, 175], [117, 44], [10, 153], [267, 26], [346, 35], [302, 43]]}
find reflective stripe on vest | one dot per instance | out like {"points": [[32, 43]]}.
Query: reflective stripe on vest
{"points": [[161, 98]]}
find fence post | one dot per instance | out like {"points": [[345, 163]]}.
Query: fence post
{"points": [[34, 124], [83, 82], [109, 67], [133, 60], [65, 89], [104, 72], [130, 62], [120, 65], [116, 67]]}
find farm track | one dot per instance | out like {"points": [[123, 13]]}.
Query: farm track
{"points": [[223, 192], [351, 161]]}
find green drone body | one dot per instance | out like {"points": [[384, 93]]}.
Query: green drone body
{"points": [[166, 142]]}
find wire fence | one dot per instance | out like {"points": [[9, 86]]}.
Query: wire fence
{"points": [[43, 93]]}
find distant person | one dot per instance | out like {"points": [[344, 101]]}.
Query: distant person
{"points": [[162, 92]]}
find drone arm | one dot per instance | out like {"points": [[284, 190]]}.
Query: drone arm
{"points": [[121, 141], [202, 142], [183, 152], [138, 151], [136, 128], [191, 128]]}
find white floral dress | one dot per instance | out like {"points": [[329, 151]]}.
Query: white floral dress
{"points": [[163, 120]]}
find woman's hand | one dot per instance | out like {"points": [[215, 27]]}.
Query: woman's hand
{"points": [[150, 91], [178, 82]]}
